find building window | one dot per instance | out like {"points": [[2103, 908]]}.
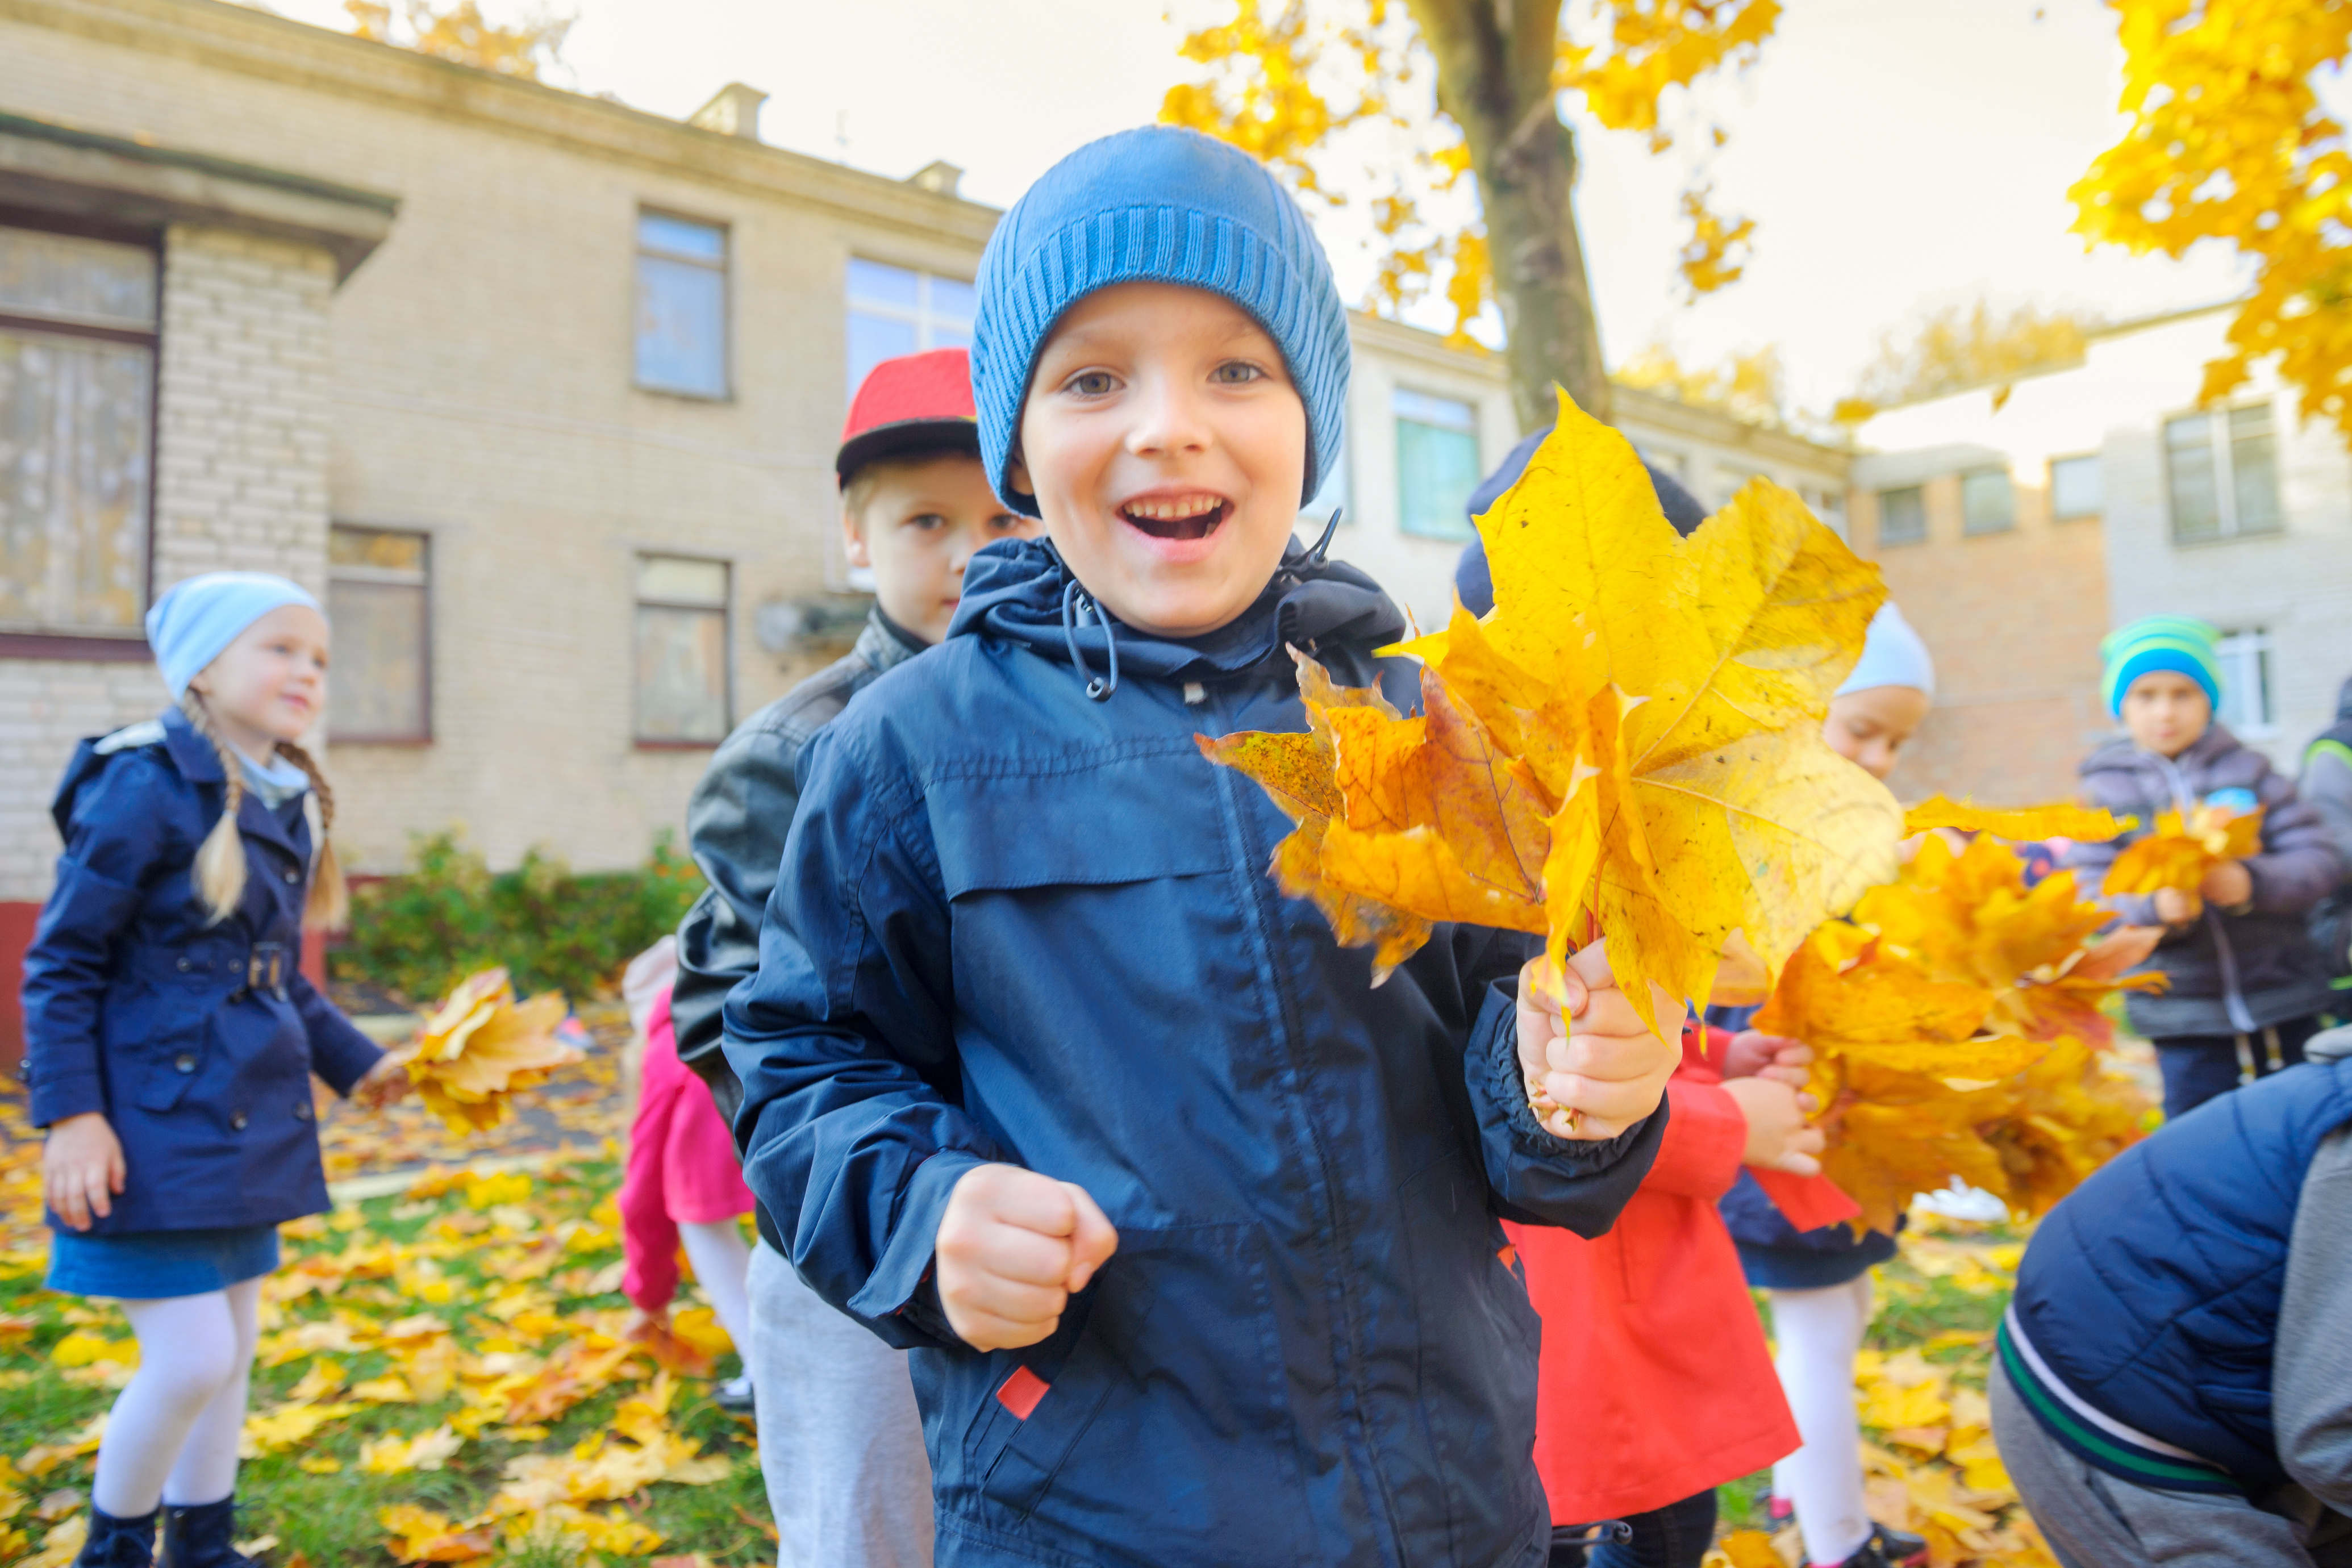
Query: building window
{"points": [[1901, 515], [1437, 464], [2222, 469], [1988, 501], [78, 319], [681, 306], [897, 311], [380, 684], [681, 651], [2076, 488], [2245, 659]]}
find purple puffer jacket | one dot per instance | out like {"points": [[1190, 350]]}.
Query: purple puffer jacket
{"points": [[2230, 973]]}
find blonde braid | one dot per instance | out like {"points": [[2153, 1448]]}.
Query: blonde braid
{"points": [[329, 906], [220, 859]]}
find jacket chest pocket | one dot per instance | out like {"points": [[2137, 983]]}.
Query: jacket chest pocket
{"points": [[1168, 1422]]}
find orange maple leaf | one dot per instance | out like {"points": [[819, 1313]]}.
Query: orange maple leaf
{"points": [[481, 1045], [2178, 854]]}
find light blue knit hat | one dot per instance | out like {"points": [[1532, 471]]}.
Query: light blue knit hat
{"points": [[1892, 654], [2176, 642], [189, 625], [1155, 204]]}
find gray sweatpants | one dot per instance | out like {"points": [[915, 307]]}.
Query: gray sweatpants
{"points": [[2094, 1520], [841, 1445]]}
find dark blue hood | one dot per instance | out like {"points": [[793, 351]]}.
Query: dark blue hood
{"points": [[1013, 590]]}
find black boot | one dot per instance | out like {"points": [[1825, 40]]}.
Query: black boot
{"points": [[202, 1535], [117, 1543], [1889, 1548]]}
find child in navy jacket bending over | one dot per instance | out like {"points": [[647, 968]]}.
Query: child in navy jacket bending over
{"points": [[171, 1039], [1195, 1236]]}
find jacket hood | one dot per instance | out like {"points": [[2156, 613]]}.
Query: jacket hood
{"points": [[189, 752], [1015, 590]]}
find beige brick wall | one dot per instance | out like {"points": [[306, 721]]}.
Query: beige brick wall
{"points": [[242, 425]]}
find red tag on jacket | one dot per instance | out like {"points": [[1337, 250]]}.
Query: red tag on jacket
{"points": [[1024, 1388], [1808, 1203]]}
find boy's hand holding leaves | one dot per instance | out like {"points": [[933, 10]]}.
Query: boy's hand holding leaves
{"points": [[1013, 1247], [1593, 1067]]}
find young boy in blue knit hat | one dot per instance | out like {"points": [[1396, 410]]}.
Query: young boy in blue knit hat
{"points": [[2245, 982], [1194, 1236]]}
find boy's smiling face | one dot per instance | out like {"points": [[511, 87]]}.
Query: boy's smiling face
{"points": [[1167, 449]]}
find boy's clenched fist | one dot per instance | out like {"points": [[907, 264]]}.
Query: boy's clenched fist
{"points": [[1014, 1246], [1593, 1069]]}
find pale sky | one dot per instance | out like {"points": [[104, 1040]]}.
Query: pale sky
{"points": [[1896, 154]]}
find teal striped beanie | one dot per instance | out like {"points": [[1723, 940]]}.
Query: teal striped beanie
{"points": [[2176, 643], [1155, 204]]}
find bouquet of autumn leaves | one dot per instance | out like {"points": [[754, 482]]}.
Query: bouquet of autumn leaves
{"points": [[1628, 747], [480, 1045], [1955, 1022]]}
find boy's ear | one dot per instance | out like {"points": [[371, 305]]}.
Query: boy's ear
{"points": [[853, 537], [1016, 475]]}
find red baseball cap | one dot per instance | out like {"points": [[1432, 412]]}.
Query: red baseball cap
{"points": [[915, 403]]}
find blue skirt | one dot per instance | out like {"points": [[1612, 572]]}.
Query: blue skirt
{"points": [[151, 1264]]}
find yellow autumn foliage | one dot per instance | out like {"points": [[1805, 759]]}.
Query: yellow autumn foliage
{"points": [[481, 1045], [2179, 853], [1627, 747]]}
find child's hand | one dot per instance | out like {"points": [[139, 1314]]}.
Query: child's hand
{"points": [[2229, 884], [1775, 1056], [1609, 1072], [1778, 1137], [1014, 1246], [385, 1082], [2175, 908], [81, 1168]]}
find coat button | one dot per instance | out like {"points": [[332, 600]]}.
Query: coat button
{"points": [[301, 1110], [293, 876], [186, 1061], [236, 1120], [184, 966]]}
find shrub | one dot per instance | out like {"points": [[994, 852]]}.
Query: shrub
{"points": [[449, 914]]}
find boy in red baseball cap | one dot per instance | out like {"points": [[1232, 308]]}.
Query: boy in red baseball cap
{"points": [[840, 1441]]}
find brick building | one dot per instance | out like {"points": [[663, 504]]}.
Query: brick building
{"points": [[537, 391], [2018, 524]]}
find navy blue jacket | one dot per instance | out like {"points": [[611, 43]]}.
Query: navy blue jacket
{"points": [[2152, 1290], [136, 1007], [1016, 924]]}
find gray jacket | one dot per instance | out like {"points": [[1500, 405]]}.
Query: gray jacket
{"points": [[2230, 973], [2326, 783], [735, 826]]}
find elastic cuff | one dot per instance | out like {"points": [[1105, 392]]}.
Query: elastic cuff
{"points": [[1529, 1136]]}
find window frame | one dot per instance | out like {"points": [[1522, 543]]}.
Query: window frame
{"points": [[920, 315], [101, 648], [724, 609], [2099, 510], [726, 270], [424, 737], [1970, 529], [1471, 429], [1878, 520], [2221, 449], [2252, 643]]}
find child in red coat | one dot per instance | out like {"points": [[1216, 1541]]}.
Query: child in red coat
{"points": [[1652, 1318], [683, 1186]]}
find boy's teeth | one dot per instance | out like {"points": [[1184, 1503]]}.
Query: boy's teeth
{"points": [[1169, 510]]}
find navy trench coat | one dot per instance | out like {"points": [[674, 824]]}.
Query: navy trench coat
{"points": [[196, 1041]]}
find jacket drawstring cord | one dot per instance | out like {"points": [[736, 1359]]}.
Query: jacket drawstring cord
{"points": [[1323, 545], [1077, 602]]}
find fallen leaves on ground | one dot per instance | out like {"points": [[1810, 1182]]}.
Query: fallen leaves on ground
{"points": [[2179, 853], [481, 1046], [1956, 1024], [1627, 747]]}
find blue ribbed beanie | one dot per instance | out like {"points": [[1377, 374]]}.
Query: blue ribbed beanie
{"points": [[2175, 643], [1155, 204]]}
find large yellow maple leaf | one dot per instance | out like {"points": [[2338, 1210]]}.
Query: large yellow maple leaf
{"points": [[2179, 853], [1627, 747], [2060, 819], [481, 1045]]}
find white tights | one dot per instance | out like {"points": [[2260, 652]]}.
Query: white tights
{"points": [[1818, 1333], [174, 1433], [722, 1260]]}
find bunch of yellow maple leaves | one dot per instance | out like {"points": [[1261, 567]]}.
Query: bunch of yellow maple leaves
{"points": [[480, 1045], [1956, 1026], [1627, 748]]}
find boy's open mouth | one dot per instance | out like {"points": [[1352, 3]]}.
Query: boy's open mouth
{"points": [[1176, 517]]}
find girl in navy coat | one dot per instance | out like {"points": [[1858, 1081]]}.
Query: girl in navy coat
{"points": [[171, 1039]]}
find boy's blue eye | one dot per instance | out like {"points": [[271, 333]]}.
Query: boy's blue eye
{"points": [[1091, 382], [1236, 372], [927, 521]]}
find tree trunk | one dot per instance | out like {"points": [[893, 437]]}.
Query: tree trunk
{"points": [[1493, 77]]}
